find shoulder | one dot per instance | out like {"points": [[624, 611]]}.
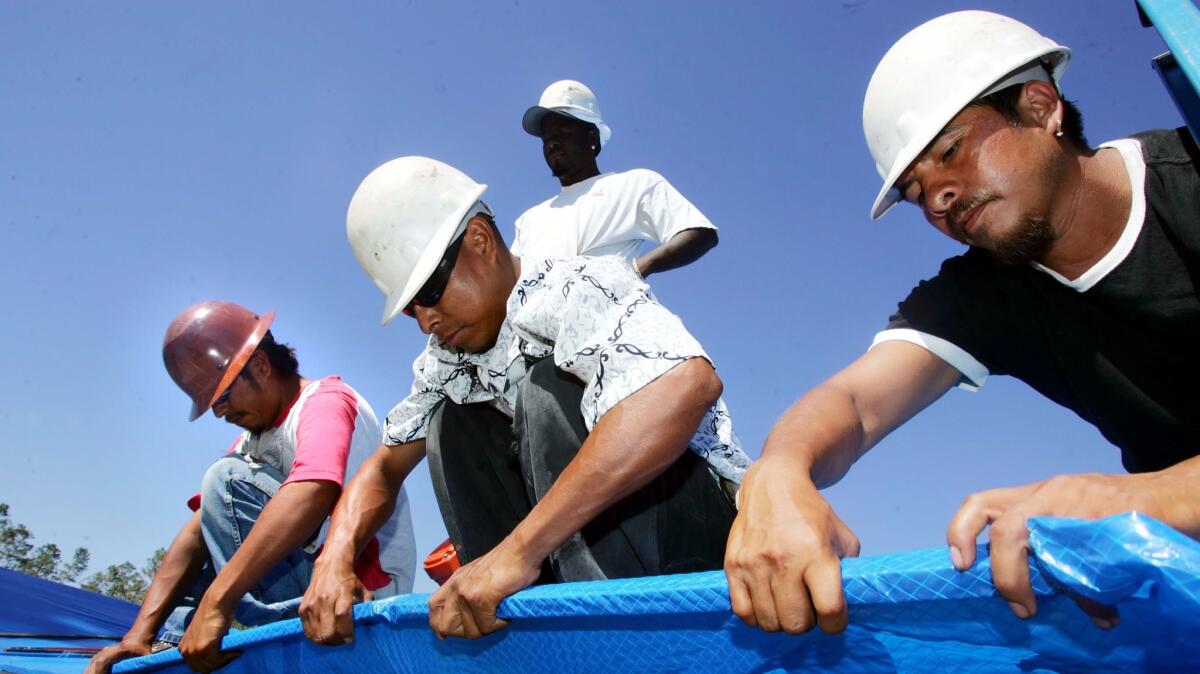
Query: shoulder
{"points": [[1165, 146], [556, 271], [533, 211], [610, 274], [972, 274], [637, 176], [330, 394]]}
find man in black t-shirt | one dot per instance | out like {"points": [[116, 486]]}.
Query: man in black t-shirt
{"points": [[1080, 280]]}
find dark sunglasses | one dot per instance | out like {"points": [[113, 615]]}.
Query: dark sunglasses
{"points": [[224, 397], [431, 293]]}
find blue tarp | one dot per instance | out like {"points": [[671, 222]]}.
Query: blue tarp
{"points": [[909, 612], [37, 608]]}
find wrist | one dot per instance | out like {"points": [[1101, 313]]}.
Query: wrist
{"points": [[521, 545], [642, 267], [220, 597], [1171, 498], [338, 557], [784, 463], [140, 635]]}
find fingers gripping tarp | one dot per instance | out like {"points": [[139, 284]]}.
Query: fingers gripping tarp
{"points": [[909, 612]]}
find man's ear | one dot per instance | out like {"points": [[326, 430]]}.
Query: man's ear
{"points": [[1041, 106], [481, 238], [259, 365]]}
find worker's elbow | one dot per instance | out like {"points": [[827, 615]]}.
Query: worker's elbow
{"points": [[705, 384]]}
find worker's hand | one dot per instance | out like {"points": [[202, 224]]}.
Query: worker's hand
{"points": [[783, 559], [108, 656], [1090, 496], [466, 605], [327, 611], [201, 643]]}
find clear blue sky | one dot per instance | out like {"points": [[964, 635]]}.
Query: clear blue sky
{"points": [[158, 154]]}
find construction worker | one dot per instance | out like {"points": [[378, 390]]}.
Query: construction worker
{"points": [[262, 509], [603, 214], [556, 402], [1080, 279]]}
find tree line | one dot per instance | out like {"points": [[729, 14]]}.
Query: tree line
{"points": [[19, 553]]}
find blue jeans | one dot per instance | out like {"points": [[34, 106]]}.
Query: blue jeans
{"points": [[232, 496]]}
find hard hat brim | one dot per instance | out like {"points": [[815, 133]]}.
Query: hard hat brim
{"points": [[1057, 58], [532, 121], [429, 259], [239, 360]]}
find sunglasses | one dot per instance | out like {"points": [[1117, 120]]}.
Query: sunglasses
{"points": [[224, 397], [431, 292]]}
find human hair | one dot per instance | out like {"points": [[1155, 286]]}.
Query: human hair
{"points": [[1006, 101], [281, 356]]}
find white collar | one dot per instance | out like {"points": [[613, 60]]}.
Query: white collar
{"points": [[1135, 167]]}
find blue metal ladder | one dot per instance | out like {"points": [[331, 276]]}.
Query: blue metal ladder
{"points": [[1178, 21]]}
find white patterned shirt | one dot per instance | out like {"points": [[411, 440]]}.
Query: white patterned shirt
{"points": [[600, 323]]}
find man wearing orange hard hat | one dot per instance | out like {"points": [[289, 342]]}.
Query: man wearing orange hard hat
{"points": [[260, 517]]}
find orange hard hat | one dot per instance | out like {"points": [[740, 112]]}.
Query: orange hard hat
{"points": [[206, 347]]}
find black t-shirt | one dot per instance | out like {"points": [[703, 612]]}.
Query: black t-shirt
{"points": [[1124, 352]]}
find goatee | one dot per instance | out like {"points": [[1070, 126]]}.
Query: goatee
{"points": [[1028, 242]]}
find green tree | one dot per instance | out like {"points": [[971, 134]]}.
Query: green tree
{"points": [[125, 581], [122, 581], [17, 552]]}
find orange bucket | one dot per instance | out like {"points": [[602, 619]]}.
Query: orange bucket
{"points": [[442, 562]]}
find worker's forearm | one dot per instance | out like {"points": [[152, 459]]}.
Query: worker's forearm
{"points": [[180, 564], [632, 444], [369, 500], [682, 249], [822, 434], [286, 523]]}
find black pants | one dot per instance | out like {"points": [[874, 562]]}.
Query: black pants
{"points": [[488, 470]]}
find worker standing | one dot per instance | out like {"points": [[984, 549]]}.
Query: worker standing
{"points": [[595, 213], [262, 509], [1079, 279]]}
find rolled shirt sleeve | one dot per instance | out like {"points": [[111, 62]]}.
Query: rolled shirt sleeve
{"points": [[604, 327], [409, 419]]}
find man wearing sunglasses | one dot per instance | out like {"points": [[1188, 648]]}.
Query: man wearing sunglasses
{"points": [[574, 429], [248, 549]]}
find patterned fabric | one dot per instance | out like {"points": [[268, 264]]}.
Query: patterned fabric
{"points": [[600, 323]]}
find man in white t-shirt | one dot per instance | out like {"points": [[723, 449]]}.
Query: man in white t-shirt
{"points": [[603, 213]]}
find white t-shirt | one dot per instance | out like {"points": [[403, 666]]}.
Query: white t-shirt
{"points": [[609, 214]]}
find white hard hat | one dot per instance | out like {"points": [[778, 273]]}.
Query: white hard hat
{"points": [[570, 98], [933, 72], [401, 219]]}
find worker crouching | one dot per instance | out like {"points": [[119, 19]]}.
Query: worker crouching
{"points": [[574, 428]]}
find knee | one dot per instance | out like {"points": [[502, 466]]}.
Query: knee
{"points": [[220, 474]]}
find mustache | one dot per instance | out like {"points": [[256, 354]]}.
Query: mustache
{"points": [[960, 207]]}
